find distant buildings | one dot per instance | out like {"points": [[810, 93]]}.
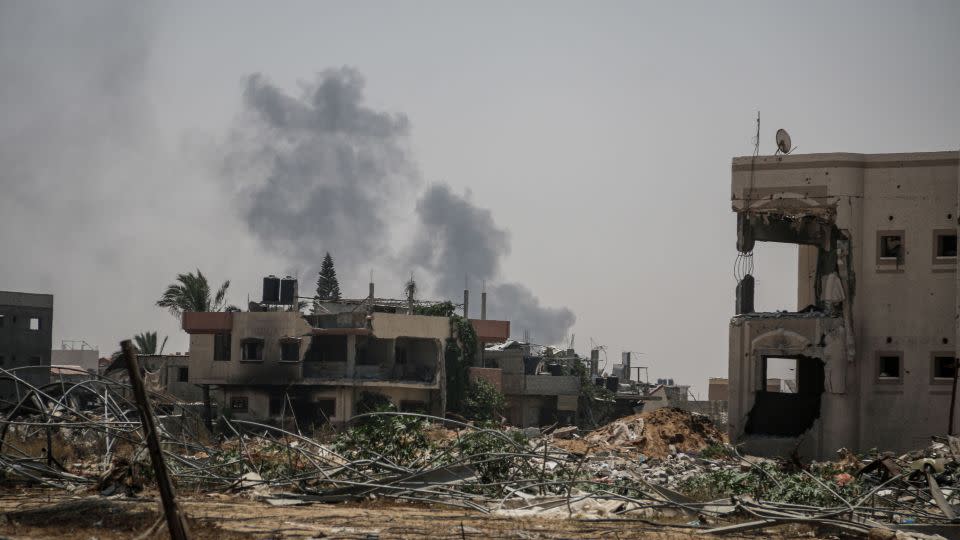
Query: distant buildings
{"points": [[26, 338]]}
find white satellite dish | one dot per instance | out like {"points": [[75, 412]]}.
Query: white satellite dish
{"points": [[783, 141]]}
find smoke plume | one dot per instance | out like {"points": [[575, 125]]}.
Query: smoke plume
{"points": [[325, 172], [457, 240], [330, 166]]}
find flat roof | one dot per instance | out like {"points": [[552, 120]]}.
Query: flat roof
{"points": [[847, 159], [25, 299]]}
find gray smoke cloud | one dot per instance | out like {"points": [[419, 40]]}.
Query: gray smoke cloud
{"points": [[458, 239], [322, 171], [330, 169]]}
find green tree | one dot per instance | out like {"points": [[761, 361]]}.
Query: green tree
{"points": [[146, 343], [328, 288], [191, 293]]}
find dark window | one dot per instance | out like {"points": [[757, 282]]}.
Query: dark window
{"points": [[889, 366], [238, 404], [943, 367], [252, 349], [946, 245], [3, 360], [1, 321], [221, 347], [183, 374], [891, 246], [276, 404], [290, 350], [34, 323]]}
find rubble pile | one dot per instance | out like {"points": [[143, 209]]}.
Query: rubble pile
{"points": [[662, 465], [659, 433]]}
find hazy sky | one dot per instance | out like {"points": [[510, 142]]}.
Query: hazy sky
{"points": [[598, 135]]}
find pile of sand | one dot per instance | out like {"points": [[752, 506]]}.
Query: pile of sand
{"points": [[652, 434]]}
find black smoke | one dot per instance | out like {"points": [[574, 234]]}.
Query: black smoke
{"points": [[328, 173]]}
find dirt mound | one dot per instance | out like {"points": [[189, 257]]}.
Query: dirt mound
{"points": [[652, 433]]}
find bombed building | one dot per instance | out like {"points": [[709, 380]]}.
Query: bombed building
{"points": [[273, 361], [872, 337]]}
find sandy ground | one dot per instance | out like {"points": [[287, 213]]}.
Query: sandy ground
{"points": [[49, 514]]}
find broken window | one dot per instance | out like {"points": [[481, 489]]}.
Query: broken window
{"points": [[251, 349], [290, 350], [221, 347], [942, 366], [889, 366], [183, 374], [945, 245], [34, 323], [890, 247], [239, 404]]}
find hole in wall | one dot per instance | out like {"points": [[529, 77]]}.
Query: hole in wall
{"points": [[790, 413]]}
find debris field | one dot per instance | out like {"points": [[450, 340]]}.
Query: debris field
{"points": [[78, 449]]}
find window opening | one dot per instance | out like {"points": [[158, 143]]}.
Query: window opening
{"points": [[942, 367], [290, 350], [252, 349], [221, 347], [888, 366]]}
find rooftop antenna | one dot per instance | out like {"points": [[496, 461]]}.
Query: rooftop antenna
{"points": [[783, 142]]}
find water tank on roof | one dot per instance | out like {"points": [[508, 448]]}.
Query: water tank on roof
{"points": [[288, 291], [613, 383], [271, 290]]}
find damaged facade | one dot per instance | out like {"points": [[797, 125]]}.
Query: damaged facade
{"points": [[535, 381], [268, 364], [873, 339]]}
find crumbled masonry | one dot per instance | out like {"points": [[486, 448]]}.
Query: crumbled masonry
{"points": [[668, 467]]}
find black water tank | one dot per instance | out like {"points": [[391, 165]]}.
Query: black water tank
{"points": [[271, 290], [598, 381], [288, 291], [613, 383], [555, 369]]}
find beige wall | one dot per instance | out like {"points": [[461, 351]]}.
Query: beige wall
{"points": [[394, 325], [909, 309]]}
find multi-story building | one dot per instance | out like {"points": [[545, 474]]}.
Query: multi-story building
{"points": [[264, 364], [26, 339], [871, 342]]}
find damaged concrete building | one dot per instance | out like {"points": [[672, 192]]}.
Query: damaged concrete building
{"points": [[535, 381], [269, 363], [872, 339]]}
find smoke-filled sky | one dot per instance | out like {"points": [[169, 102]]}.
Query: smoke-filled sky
{"points": [[575, 156]]}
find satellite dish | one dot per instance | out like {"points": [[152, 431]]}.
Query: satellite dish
{"points": [[783, 141]]}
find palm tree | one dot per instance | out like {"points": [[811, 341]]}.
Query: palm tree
{"points": [[146, 343], [191, 293]]}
